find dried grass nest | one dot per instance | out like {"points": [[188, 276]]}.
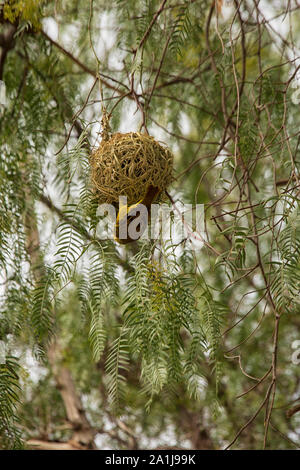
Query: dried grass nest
{"points": [[126, 164]]}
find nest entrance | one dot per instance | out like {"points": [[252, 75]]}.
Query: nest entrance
{"points": [[127, 164]]}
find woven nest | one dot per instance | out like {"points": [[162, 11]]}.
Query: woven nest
{"points": [[126, 164]]}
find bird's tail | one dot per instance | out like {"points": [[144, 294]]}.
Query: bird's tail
{"points": [[150, 196]]}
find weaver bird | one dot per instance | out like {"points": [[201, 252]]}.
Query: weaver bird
{"points": [[139, 212]]}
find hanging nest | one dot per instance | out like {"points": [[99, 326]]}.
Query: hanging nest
{"points": [[127, 164]]}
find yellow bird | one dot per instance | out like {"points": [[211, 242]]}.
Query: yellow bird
{"points": [[147, 200]]}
